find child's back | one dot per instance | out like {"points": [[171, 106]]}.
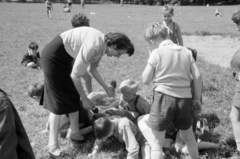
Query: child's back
{"points": [[172, 68]]}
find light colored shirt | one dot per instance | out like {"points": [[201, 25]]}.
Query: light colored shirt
{"points": [[126, 132], [86, 45], [172, 65]]}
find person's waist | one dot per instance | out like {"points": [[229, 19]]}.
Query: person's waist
{"points": [[175, 91]]}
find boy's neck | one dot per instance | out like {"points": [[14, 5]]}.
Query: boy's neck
{"points": [[168, 22]]}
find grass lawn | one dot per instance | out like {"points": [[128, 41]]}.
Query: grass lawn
{"points": [[23, 23]]}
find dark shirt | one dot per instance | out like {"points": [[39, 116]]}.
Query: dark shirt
{"points": [[14, 142], [30, 58]]}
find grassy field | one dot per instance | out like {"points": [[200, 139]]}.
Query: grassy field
{"points": [[23, 23]]}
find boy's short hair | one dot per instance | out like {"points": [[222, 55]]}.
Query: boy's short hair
{"points": [[35, 90], [79, 20], [129, 86], [121, 41], [167, 9], [102, 127], [156, 30], [235, 61], [33, 46], [236, 17]]}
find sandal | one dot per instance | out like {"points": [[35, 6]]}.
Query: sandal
{"points": [[55, 152]]}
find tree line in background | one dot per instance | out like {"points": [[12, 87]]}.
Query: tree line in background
{"points": [[143, 2]]}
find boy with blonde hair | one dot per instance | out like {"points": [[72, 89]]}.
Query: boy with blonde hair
{"points": [[130, 104], [172, 70], [176, 35]]}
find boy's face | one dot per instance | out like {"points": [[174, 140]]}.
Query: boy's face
{"points": [[167, 16], [32, 51], [127, 95], [111, 132]]}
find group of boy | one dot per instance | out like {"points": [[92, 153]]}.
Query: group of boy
{"points": [[177, 90]]}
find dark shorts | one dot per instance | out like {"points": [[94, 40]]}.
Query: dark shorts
{"points": [[236, 98], [166, 109], [69, 4]]}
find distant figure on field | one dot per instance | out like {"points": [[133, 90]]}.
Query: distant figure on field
{"points": [[14, 142], [236, 19], [174, 28], [32, 58], [66, 9], [69, 4], [217, 13], [48, 4], [82, 4]]}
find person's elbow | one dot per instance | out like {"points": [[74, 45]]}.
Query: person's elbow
{"points": [[74, 76]]}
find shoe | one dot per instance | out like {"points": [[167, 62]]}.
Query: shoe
{"points": [[54, 152]]}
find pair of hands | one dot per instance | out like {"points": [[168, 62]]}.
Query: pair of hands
{"points": [[87, 104]]}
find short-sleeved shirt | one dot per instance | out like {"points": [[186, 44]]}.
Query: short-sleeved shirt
{"points": [[30, 58], [85, 44], [172, 65]]}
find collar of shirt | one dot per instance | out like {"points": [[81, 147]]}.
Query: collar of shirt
{"points": [[166, 42]]}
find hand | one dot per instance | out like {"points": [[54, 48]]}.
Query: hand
{"points": [[87, 104], [197, 107], [110, 91]]}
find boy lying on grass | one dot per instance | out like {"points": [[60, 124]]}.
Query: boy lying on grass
{"points": [[124, 130]]}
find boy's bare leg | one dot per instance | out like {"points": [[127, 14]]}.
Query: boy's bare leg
{"points": [[154, 138], [188, 137], [97, 96], [235, 119]]}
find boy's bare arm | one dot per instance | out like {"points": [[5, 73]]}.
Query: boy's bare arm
{"points": [[97, 145], [147, 75], [179, 36], [197, 86]]}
